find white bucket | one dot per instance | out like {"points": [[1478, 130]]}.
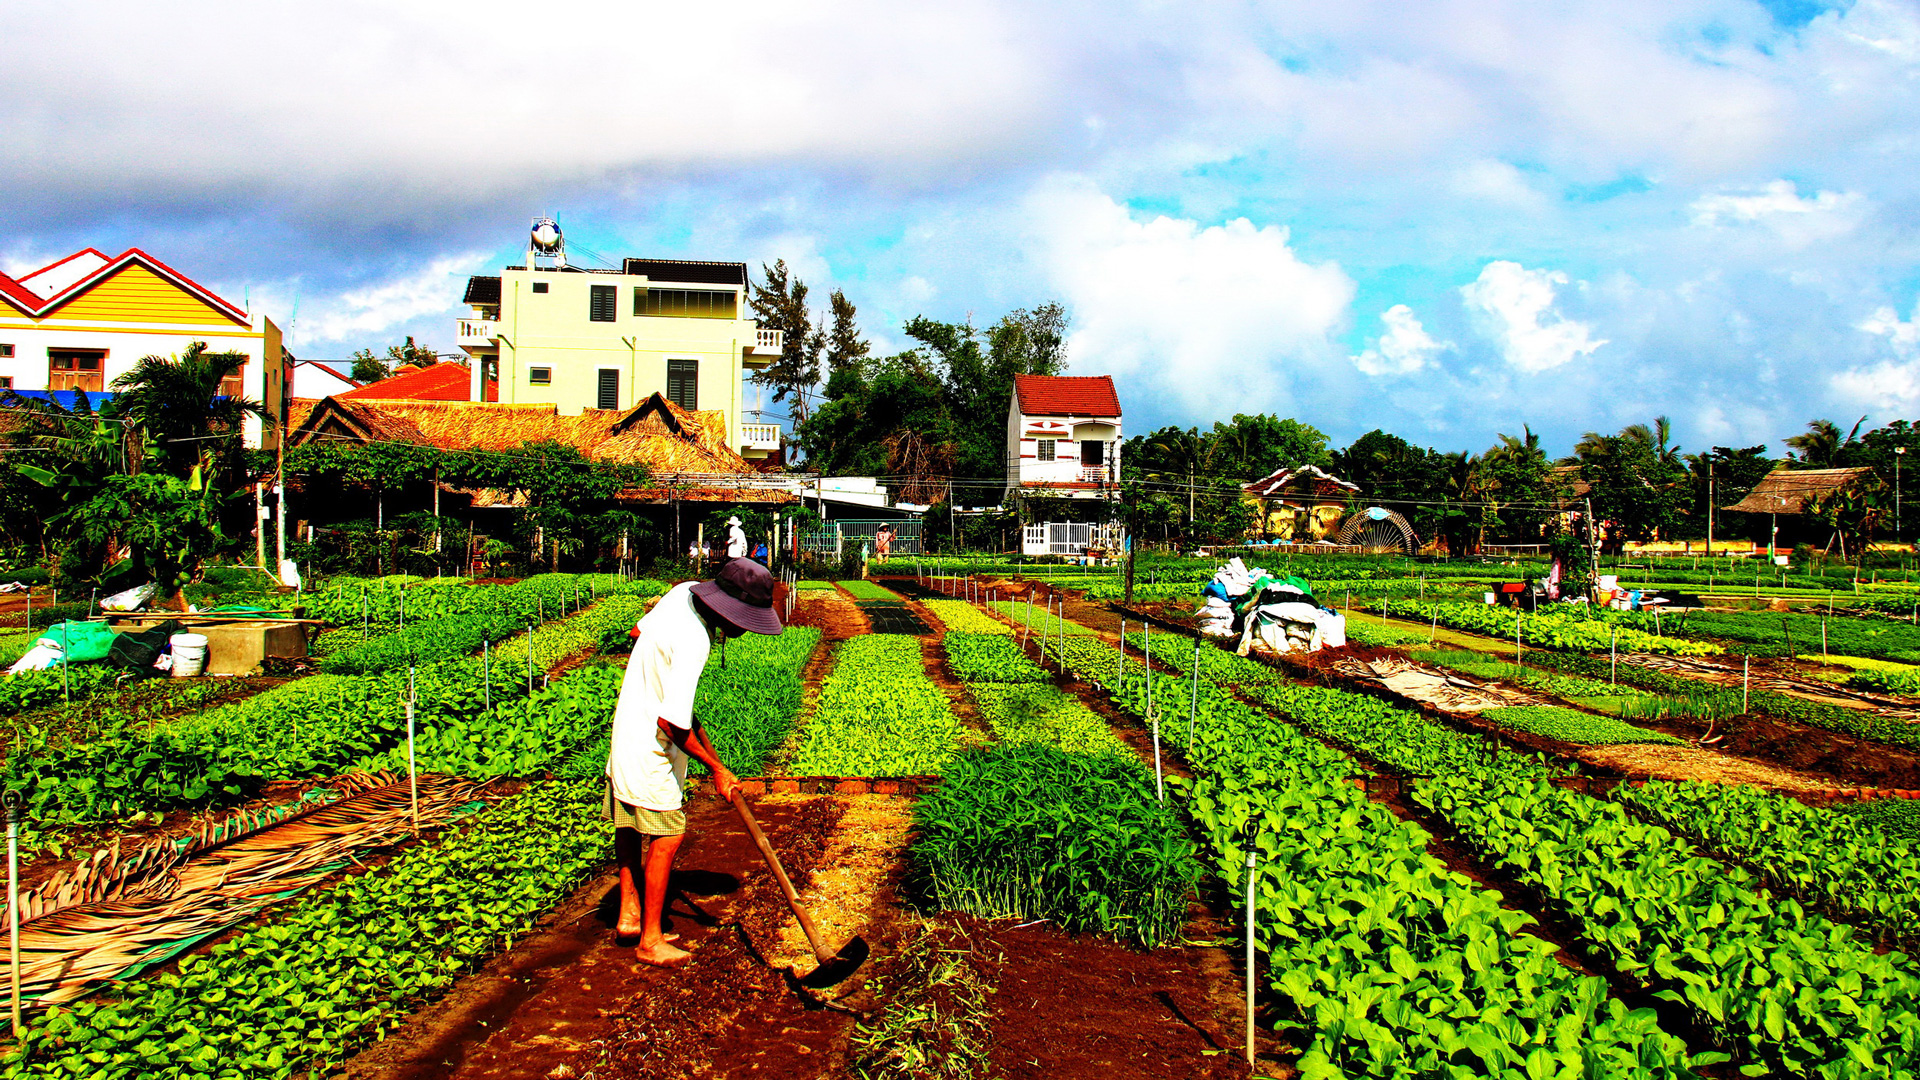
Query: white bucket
{"points": [[189, 654]]}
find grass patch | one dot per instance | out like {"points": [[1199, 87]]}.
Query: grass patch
{"points": [[879, 715], [1567, 725], [867, 590], [1042, 623], [936, 1024], [810, 583]]}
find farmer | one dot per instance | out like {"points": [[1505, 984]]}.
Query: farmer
{"points": [[883, 542], [736, 539], [654, 731]]}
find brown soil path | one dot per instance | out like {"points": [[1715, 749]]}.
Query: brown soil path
{"points": [[569, 1001]]}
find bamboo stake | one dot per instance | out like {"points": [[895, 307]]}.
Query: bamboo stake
{"points": [[1744, 676]]}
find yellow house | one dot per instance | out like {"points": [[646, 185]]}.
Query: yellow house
{"points": [[551, 333], [80, 323]]}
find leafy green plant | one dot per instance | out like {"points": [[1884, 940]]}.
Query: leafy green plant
{"points": [[1042, 713], [879, 715], [1850, 863], [959, 616], [306, 989], [989, 658], [1033, 832], [1567, 725], [1544, 629]]}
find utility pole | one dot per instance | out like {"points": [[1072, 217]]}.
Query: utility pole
{"points": [[1128, 539], [1898, 453], [1593, 553], [1712, 511], [280, 492]]}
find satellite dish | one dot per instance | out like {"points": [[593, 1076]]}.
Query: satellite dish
{"points": [[546, 235]]}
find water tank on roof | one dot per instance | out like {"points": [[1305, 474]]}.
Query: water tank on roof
{"points": [[546, 235]]}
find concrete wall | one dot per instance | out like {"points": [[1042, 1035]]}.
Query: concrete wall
{"points": [[553, 330]]}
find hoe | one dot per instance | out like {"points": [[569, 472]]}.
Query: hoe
{"points": [[833, 967]]}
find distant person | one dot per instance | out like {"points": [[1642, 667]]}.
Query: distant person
{"points": [[736, 539], [654, 730], [883, 542]]}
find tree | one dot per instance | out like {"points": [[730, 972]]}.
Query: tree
{"points": [[781, 304], [368, 368], [1821, 446], [1251, 447], [179, 407], [1515, 486], [846, 349], [1853, 513]]}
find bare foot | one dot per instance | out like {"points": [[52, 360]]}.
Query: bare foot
{"points": [[636, 932], [662, 955]]}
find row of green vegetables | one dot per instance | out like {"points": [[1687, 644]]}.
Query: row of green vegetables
{"points": [[309, 727], [339, 968], [878, 714], [1580, 631], [1059, 820], [1782, 989], [1856, 722], [1391, 965], [473, 615]]}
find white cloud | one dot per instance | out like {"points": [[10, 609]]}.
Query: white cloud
{"points": [[1219, 319], [1516, 306], [434, 289], [1891, 384], [1498, 182], [1779, 207], [1405, 348]]}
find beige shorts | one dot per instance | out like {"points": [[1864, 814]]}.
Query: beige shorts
{"points": [[625, 815]]}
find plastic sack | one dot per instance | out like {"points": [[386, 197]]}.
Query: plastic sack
{"points": [[131, 600], [42, 656], [80, 642]]}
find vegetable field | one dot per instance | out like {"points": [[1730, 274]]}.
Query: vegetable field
{"points": [[1013, 809]]}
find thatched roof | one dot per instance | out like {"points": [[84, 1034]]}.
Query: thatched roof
{"points": [[1787, 491], [656, 433]]}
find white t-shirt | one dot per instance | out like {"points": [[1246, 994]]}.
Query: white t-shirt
{"points": [[736, 543], [647, 770]]}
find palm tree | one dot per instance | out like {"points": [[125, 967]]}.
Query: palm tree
{"points": [[179, 407], [1821, 446]]}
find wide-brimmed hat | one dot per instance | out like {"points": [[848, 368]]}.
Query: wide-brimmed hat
{"points": [[742, 594], [733, 521]]}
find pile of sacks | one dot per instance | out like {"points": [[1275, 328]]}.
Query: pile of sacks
{"points": [[1279, 613]]}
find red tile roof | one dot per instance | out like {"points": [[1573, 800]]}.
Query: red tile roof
{"points": [[445, 381], [1066, 395]]}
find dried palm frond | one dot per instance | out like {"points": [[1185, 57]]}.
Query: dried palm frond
{"points": [[112, 912]]}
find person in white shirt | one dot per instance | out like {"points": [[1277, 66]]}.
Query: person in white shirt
{"points": [[654, 732], [736, 539]]}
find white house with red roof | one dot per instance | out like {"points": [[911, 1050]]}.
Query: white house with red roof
{"points": [[79, 323], [1063, 437]]}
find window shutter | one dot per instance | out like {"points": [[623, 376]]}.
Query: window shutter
{"points": [[609, 388], [602, 303], [683, 383]]}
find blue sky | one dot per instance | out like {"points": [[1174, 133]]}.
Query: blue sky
{"points": [[1447, 219]]}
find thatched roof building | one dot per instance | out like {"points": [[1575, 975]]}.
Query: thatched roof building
{"points": [[1787, 491], [685, 450]]}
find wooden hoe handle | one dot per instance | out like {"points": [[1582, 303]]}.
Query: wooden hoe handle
{"points": [[820, 951]]}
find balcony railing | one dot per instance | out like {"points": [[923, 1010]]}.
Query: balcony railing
{"points": [[760, 436], [477, 332], [1094, 474], [769, 341]]}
